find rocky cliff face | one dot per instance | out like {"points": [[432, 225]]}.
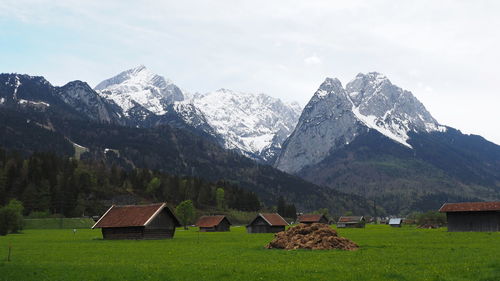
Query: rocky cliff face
{"points": [[80, 96]]}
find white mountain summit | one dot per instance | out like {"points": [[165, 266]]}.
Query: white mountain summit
{"points": [[139, 86]]}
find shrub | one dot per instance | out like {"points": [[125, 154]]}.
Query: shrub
{"points": [[8, 221], [11, 218]]}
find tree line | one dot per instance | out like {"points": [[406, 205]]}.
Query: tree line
{"points": [[48, 183]]}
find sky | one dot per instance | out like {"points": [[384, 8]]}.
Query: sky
{"points": [[445, 52]]}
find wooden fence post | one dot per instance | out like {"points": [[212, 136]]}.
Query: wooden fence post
{"points": [[10, 250]]}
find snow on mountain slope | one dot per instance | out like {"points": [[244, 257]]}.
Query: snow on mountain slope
{"points": [[387, 108], [255, 124], [335, 116], [139, 86]]}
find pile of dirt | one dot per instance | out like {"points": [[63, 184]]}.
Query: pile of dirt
{"points": [[317, 236]]}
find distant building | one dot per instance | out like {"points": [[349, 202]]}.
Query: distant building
{"points": [[351, 221], [267, 223], [472, 216], [312, 218], [396, 222], [213, 223], [155, 221]]}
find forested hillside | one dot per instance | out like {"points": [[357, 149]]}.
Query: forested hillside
{"points": [[45, 182]]}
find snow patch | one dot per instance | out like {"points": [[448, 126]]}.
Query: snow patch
{"points": [[16, 85], [35, 103], [393, 132]]}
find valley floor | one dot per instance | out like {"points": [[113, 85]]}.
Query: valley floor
{"points": [[386, 254]]}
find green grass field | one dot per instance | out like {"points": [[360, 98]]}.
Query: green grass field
{"points": [[386, 254]]}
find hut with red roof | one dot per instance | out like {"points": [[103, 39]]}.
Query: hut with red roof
{"points": [[267, 223], [313, 218], [472, 216], [351, 221], [213, 223], [155, 221]]}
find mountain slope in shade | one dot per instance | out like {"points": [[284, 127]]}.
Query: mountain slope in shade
{"points": [[84, 99], [254, 124]]}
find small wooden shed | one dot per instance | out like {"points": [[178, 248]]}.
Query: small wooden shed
{"points": [[351, 221], [472, 216], [155, 221], [213, 223], [267, 223], [396, 222], [313, 218]]}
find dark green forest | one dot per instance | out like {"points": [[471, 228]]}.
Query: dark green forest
{"points": [[45, 182]]}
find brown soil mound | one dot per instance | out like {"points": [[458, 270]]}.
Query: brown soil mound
{"points": [[317, 236]]}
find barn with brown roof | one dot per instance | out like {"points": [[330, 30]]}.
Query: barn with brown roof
{"points": [[313, 218], [267, 223], [213, 223], [472, 216], [351, 221], [155, 221]]}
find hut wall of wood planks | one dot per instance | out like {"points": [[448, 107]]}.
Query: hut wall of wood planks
{"points": [[213, 223], [472, 216], [267, 223]]}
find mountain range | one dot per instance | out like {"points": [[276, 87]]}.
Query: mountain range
{"points": [[255, 125], [369, 146]]}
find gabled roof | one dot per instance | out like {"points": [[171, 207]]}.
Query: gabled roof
{"points": [[351, 219], [273, 219], [470, 207], [132, 215], [395, 221], [311, 217], [210, 221]]}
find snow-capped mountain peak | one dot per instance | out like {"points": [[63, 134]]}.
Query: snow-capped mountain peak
{"points": [[254, 124], [139, 86], [387, 108]]}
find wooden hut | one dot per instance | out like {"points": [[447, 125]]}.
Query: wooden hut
{"points": [[213, 223], [472, 216], [396, 222], [313, 218], [155, 221], [267, 223], [351, 221]]}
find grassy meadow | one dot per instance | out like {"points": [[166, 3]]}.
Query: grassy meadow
{"points": [[386, 254]]}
